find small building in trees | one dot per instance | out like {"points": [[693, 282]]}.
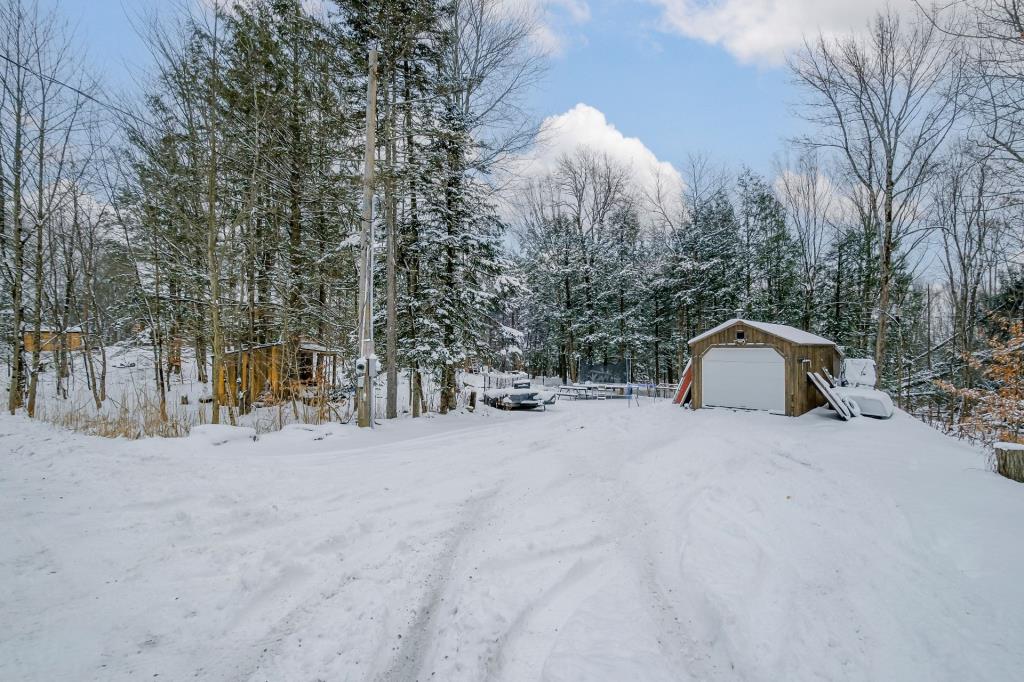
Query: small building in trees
{"points": [[760, 366], [52, 338], [261, 373]]}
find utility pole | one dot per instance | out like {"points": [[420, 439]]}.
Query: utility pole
{"points": [[390, 209], [367, 364]]}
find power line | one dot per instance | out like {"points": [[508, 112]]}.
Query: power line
{"points": [[79, 91]]}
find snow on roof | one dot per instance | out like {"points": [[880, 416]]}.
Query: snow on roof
{"points": [[783, 331], [317, 347], [50, 329], [308, 346]]}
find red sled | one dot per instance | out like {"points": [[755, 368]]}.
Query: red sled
{"points": [[685, 383]]}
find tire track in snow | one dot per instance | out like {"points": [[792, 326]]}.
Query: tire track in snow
{"points": [[410, 656], [400, 447], [525, 646], [689, 626]]}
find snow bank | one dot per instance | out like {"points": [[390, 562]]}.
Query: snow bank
{"points": [[219, 434]]}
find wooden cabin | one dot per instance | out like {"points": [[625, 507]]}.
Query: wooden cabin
{"points": [[760, 366], [259, 372], [52, 338]]}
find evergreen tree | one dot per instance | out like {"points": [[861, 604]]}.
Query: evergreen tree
{"points": [[769, 254]]}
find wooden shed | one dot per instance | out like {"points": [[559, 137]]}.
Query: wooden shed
{"points": [[52, 338], [760, 366], [259, 371]]}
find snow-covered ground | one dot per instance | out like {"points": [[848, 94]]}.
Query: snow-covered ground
{"points": [[594, 541]]}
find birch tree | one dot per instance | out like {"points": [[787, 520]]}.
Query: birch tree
{"points": [[809, 200]]}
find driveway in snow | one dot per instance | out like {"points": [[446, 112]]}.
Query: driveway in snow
{"points": [[595, 541]]}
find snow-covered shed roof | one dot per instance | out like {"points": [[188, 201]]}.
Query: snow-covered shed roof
{"points": [[50, 329], [783, 331], [308, 346], [317, 347]]}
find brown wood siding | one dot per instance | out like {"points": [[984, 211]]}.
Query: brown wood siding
{"points": [[806, 395], [50, 341], [259, 370], [254, 376], [801, 396]]}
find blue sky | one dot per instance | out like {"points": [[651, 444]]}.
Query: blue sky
{"points": [[682, 76], [677, 94]]}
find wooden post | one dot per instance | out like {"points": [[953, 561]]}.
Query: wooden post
{"points": [[1010, 460]]}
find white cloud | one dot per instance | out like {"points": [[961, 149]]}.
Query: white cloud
{"points": [[552, 19], [547, 40], [763, 31], [587, 127], [578, 10]]}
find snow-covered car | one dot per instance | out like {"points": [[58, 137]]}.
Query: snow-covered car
{"points": [[518, 398]]}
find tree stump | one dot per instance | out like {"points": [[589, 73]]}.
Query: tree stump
{"points": [[1010, 460]]}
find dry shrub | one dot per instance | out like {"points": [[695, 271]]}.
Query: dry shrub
{"points": [[121, 420], [994, 410], [137, 415], [275, 417]]}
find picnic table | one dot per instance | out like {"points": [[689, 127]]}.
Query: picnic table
{"points": [[579, 392]]}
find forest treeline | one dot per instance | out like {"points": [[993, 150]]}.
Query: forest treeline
{"points": [[219, 207]]}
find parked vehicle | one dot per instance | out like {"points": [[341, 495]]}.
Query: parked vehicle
{"points": [[522, 396]]}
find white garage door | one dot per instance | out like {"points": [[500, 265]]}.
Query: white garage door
{"points": [[751, 378]]}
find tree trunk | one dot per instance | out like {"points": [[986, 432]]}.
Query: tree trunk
{"points": [[37, 304], [413, 266], [212, 257], [885, 277], [1010, 461], [16, 390]]}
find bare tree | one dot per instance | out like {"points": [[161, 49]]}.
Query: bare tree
{"points": [[570, 216], [490, 64], [44, 97], [90, 225], [967, 215], [58, 121], [213, 227], [993, 33], [884, 104], [809, 198], [19, 47]]}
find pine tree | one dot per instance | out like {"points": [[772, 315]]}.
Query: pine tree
{"points": [[769, 254], [462, 257]]}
